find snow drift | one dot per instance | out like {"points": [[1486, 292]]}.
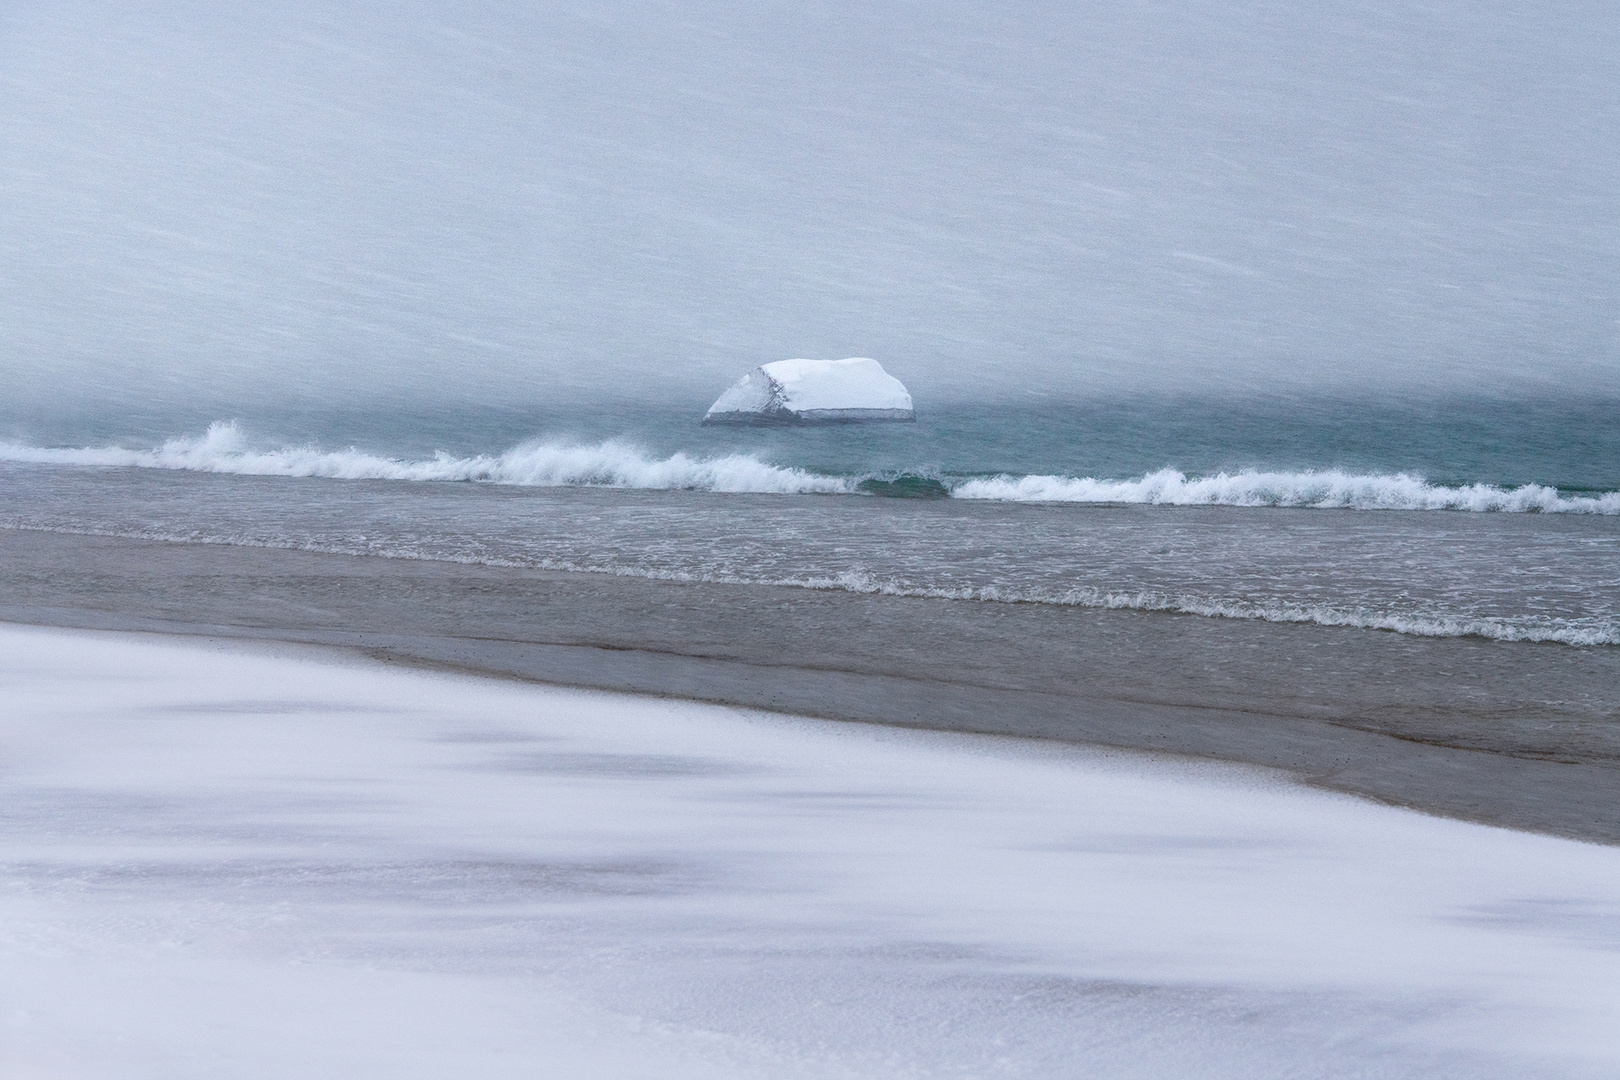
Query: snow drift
{"points": [[813, 392], [219, 863]]}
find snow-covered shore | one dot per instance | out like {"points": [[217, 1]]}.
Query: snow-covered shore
{"points": [[216, 862]]}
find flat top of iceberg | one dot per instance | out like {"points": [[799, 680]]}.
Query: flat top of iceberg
{"points": [[809, 389], [856, 383]]}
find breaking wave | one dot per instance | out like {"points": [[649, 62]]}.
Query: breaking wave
{"points": [[224, 449], [1318, 490], [611, 464]]}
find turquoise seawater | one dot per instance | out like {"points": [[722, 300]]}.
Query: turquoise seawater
{"points": [[1571, 443]]}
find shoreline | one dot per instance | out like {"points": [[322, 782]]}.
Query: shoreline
{"points": [[1516, 735]]}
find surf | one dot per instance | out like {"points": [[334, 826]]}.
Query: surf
{"points": [[225, 448]]}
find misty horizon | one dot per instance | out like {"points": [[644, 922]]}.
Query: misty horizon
{"points": [[484, 205]]}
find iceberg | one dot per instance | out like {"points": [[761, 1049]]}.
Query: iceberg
{"points": [[813, 392]]}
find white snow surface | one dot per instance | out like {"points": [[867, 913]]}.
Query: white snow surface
{"points": [[811, 386], [231, 863]]}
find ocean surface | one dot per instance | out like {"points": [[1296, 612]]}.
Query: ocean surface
{"points": [[1446, 517]]}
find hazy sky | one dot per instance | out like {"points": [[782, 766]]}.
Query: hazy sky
{"points": [[498, 202]]}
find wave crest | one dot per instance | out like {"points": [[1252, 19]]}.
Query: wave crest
{"points": [[1316, 490], [223, 449]]}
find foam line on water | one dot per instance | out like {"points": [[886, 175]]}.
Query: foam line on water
{"points": [[1580, 633], [1426, 624]]}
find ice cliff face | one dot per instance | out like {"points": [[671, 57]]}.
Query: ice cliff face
{"points": [[813, 391]]}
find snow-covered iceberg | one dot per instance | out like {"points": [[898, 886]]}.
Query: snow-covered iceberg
{"points": [[813, 392]]}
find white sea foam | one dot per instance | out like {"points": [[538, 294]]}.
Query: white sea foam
{"points": [[1318, 490], [224, 449]]}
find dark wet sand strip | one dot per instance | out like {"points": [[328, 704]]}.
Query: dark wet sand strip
{"points": [[1525, 736]]}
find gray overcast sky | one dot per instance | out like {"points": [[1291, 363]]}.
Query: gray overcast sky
{"points": [[522, 202]]}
